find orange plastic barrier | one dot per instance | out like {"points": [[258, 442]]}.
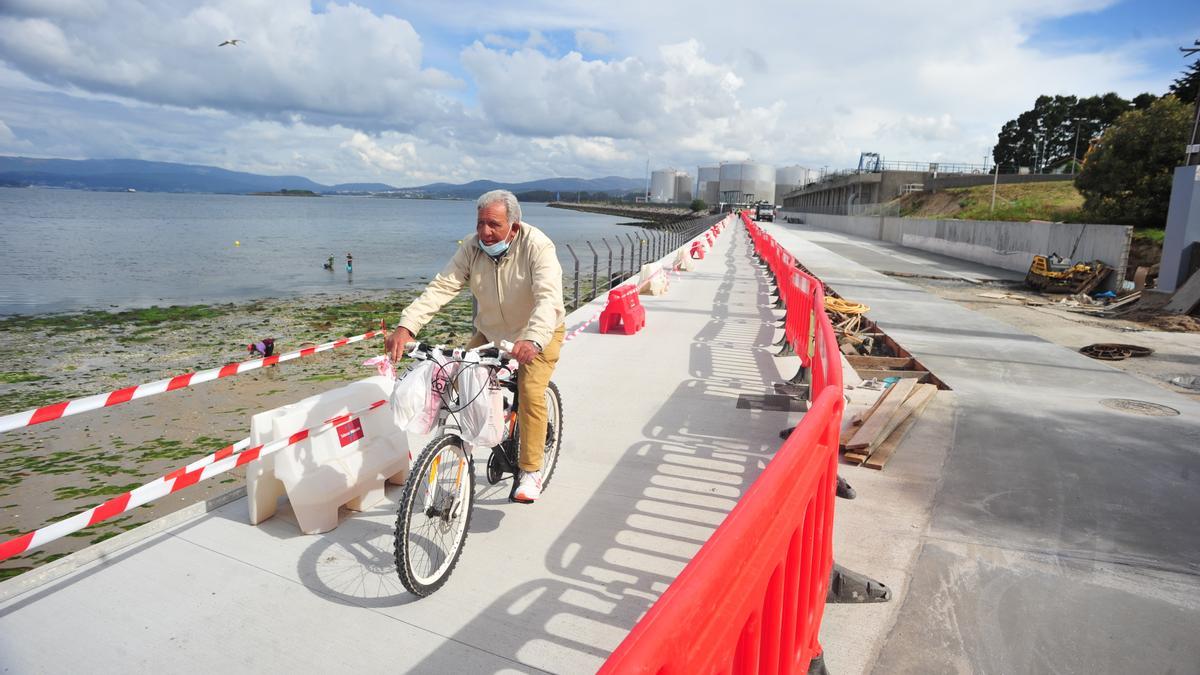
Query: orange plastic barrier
{"points": [[752, 599]]}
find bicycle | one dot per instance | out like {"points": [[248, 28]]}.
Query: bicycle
{"points": [[435, 508]]}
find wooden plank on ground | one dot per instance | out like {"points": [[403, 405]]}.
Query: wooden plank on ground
{"points": [[860, 417], [1186, 296], [887, 448], [867, 374], [918, 397], [855, 457], [879, 419], [889, 362]]}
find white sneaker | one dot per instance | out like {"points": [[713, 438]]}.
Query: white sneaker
{"points": [[529, 488]]}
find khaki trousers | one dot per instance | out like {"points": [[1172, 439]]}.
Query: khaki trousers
{"points": [[531, 404]]}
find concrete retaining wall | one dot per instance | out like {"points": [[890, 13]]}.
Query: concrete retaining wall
{"points": [[1006, 245], [953, 181]]}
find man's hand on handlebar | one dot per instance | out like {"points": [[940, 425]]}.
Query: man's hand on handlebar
{"points": [[524, 351], [396, 342]]}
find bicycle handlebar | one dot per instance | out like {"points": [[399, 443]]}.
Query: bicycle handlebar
{"points": [[489, 353]]}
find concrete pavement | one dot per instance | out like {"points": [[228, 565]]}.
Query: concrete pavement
{"points": [[655, 453], [1063, 535]]}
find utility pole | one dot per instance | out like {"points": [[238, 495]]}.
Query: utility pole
{"points": [[995, 182], [1075, 152], [1192, 151], [647, 195]]}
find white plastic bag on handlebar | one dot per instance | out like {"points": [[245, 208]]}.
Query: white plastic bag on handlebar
{"points": [[481, 415], [410, 394], [420, 392]]}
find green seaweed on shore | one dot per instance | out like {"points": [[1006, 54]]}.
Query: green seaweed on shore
{"points": [[89, 320], [100, 490], [16, 464], [326, 377], [15, 401], [10, 572], [17, 377]]}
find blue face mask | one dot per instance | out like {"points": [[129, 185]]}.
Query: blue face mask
{"points": [[494, 249]]}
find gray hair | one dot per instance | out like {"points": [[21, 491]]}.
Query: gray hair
{"points": [[510, 203]]}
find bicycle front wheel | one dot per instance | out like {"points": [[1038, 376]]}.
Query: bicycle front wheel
{"points": [[554, 427], [435, 511]]}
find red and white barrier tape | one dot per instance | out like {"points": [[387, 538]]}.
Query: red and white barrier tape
{"points": [[574, 332], [218, 463], [47, 413]]}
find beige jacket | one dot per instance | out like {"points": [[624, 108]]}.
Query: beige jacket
{"points": [[518, 297]]}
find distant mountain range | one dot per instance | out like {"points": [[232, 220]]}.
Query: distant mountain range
{"points": [[144, 176]]}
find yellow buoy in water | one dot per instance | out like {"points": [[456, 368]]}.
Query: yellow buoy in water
{"points": [[237, 243]]}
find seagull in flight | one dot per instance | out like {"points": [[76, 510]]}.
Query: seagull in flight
{"points": [[232, 43]]}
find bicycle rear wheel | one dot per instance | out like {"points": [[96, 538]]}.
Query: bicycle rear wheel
{"points": [[434, 514]]}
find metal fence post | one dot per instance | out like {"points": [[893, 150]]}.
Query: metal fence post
{"points": [[608, 286], [621, 243], [631, 247], [595, 264], [575, 305]]}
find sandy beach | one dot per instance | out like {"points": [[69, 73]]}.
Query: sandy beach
{"points": [[59, 468]]}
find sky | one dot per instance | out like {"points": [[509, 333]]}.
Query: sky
{"points": [[408, 93]]}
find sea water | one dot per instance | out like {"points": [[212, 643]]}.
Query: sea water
{"points": [[64, 250]]}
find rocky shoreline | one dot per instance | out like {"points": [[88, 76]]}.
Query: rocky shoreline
{"points": [[53, 470]]}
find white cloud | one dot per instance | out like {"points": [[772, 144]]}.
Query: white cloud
{"points": [[9, 142], [593, 41], [398, 158], [343, 63], [346, 93], [501, 41]]}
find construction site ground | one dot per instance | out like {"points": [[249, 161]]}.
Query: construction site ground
{"points": [[1060, 527]]}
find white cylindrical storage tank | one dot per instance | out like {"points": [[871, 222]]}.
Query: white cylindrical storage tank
{"points": [[662, 186], [683, 187], [747, 183], [789, 178], [708, 184]]}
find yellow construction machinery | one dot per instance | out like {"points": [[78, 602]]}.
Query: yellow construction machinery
{"points": [[1054, 274]]}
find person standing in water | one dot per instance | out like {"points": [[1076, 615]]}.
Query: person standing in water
{"points": [[329, 263], [349, 264]]}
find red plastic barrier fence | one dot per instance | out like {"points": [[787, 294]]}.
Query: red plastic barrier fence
{"points": [[800, 292], [624, 311], [752, 598]]}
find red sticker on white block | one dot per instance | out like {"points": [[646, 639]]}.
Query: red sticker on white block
{"points": [[350, 432]]}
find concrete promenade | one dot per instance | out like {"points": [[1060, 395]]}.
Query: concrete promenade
{"points": [[1062, 535], [655, 453]]}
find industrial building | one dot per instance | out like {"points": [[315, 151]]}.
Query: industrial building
{"points": [[746, 183], [838, 193], [708, 184], [670, 186], [791, 178]]}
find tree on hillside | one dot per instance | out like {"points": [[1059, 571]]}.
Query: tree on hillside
{"points": [[1058, 127], [1187, 86], [1126, 178]]}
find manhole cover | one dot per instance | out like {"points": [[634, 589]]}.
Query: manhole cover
{"points": [[771, 402], [1130, 405], [1111, 351]]}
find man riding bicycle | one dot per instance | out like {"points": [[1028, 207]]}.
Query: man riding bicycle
{"points": [[512, 270]]}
